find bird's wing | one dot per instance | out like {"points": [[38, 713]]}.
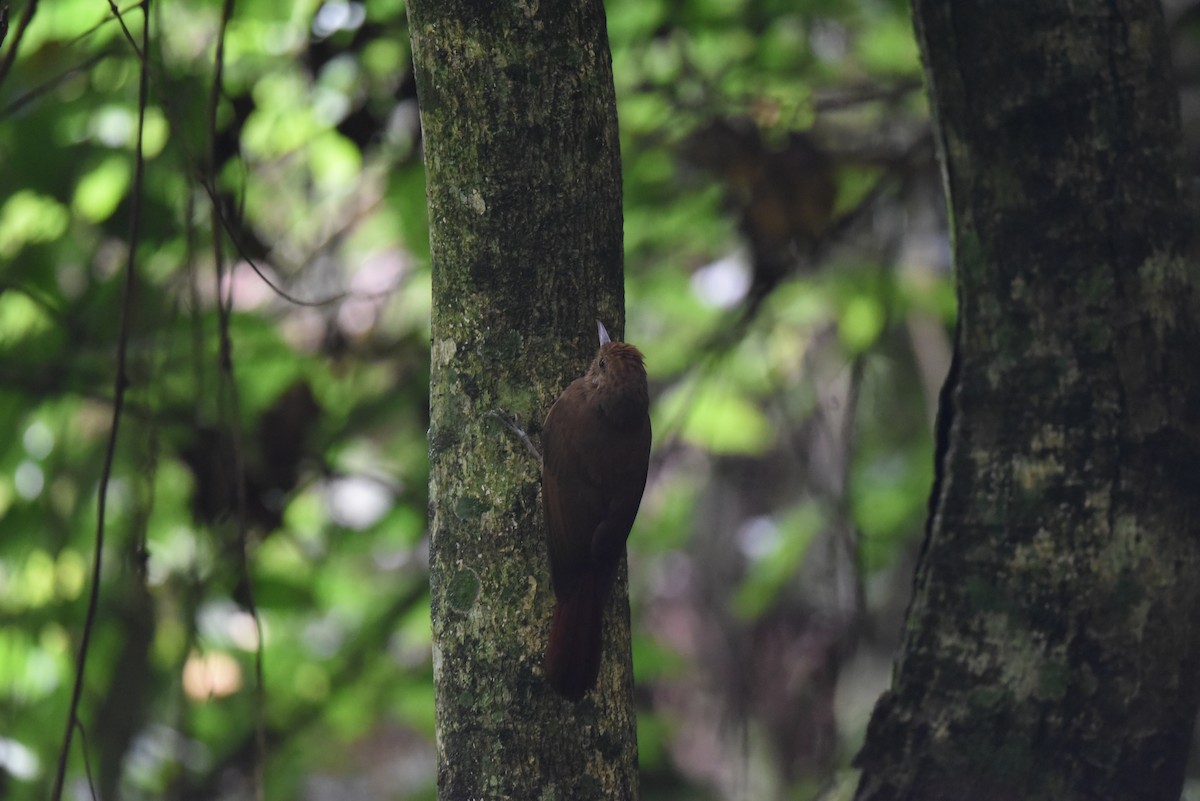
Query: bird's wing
{"points": [[571, 495]]}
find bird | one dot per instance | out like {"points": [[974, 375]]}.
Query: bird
{"points": [[595, 458]]}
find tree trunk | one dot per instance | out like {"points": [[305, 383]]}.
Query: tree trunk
{"points": [[524, 190], [1051, 645]]}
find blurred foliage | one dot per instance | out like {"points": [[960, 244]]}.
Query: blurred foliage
{"points": [[787, 279]]}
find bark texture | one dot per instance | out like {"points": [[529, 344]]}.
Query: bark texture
{"points": [[1051, 645], [524, 191]]}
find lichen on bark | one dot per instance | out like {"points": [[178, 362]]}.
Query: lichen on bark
{"points": [[524, 192], [1049, 650]]}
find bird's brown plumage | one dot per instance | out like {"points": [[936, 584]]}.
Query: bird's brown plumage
{"points": [[595, 455]]}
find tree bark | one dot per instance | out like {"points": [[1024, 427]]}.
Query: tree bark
{"points": [[1051, 645], [524, 190]]}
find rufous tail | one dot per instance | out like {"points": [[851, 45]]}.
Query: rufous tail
{"points": [[573, 655]]}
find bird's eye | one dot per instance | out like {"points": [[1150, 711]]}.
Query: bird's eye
{"points": [[603, 364]]}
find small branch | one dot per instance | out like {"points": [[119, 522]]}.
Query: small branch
{"points": [[50, 85], [122, 383], [87, 763], [22, 25], [357, 658], [228, 389], [278, 290], [128, 36], [87, 64]]}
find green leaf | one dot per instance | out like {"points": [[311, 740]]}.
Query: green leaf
{"points": [[778, 560], [30, 217], [98, 193], [889, 46], [889, 495], [861, 322], [653, 740], [21, 318], [716, 418], [336, 162]]}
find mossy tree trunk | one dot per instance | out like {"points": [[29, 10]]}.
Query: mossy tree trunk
{"points": [[1051, 645], [524, 190]]}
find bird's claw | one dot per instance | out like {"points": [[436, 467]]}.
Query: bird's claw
{"points": [[511, 424]]}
